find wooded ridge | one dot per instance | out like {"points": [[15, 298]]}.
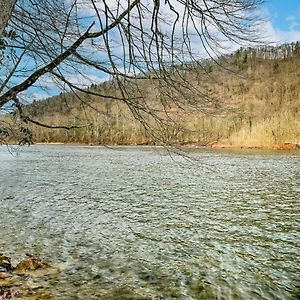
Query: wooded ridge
{"points": [[257, 101]]}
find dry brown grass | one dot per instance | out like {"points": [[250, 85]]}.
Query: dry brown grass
{"points": [[262, 110]]}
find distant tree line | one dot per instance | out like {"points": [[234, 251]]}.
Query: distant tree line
{"points": [[283, 51]]}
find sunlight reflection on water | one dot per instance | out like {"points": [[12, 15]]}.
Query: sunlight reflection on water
{"points": [[130, 223]]}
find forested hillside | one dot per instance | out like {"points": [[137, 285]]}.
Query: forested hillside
{"points": [[257, 95]]}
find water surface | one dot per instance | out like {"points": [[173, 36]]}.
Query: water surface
{"points": [[130, 223]]}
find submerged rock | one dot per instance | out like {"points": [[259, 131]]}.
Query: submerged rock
{"points": [[4, 275], [7, 293], [31, 263], [5, 263], [25, 280]]}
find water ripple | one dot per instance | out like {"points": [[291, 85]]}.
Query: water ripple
{"points": [[130, 223]]}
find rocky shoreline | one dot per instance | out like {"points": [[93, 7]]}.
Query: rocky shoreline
{"points": [[287, 146], [18, 281]]}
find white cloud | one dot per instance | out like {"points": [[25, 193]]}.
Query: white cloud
{"points": [[288, 36], [84, 80], [29, 96], [274, 34], [270, 34], [78, 79], [278, 36], [48, 86]]}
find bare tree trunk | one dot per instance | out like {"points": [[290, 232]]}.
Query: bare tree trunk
{"points": [[6, 7]]}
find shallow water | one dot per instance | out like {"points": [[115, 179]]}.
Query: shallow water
{"points": [[130, 223]]}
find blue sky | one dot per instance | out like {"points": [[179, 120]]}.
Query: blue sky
{"points": [[282, 25], [284, 19]]}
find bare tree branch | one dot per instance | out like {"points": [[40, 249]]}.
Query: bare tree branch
{"points": [[127, 41]]}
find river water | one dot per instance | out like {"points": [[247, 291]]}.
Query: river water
{"points": [[135, 223]]}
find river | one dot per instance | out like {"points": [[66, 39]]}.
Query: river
{"points": [[137, 223]]}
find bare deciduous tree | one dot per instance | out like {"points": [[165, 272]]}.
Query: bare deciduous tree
{"points": [[60, 42], [6, 7]]}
